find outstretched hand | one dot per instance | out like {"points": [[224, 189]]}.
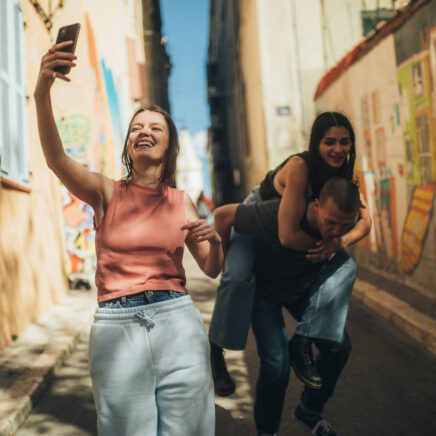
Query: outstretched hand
{"points": [[324, 249], [54, 57], [200, 231]]}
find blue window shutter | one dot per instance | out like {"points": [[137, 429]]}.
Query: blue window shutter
{"points": [[13, 117]]}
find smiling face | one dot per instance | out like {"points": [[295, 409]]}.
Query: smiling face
{"points": [[148, 137], [335, 146], [333, 222]]}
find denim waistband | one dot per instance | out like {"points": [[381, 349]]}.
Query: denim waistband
{"points": [[129, 313], [146, 297]]}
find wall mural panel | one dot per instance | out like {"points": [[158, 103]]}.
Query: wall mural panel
{"points": [[75, 133], [415, 54], [395, 118], [99, 149]]}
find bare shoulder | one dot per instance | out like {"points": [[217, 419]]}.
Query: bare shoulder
{"points": [[106, 192], [107, 187], [297, 163], [187, 199], [294, 169], [190, 209]]}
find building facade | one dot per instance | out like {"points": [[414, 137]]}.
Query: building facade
{"points": [[386, 87], [46, 234], [264, 62]]}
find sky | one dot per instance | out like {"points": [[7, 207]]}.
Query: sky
{"points": [[185, 24]]}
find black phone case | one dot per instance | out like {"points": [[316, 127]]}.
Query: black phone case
{"points": [[67, 33]]}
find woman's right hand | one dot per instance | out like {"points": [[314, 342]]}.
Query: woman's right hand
{"points": [[53, 58]]}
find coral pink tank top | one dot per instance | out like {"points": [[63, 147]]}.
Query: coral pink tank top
{"points": [[139, 243]]}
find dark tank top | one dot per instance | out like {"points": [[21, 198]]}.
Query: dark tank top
{"points": [[266, 188]]}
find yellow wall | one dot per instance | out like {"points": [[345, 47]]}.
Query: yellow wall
{"points": [[44, 232], [32, 276], [256, 160]]}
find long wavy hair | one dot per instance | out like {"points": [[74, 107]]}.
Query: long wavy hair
{"points": [[317, 167], [167, 177]]}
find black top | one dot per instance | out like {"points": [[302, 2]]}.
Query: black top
{"points": [[266, 188], [282, 274]]}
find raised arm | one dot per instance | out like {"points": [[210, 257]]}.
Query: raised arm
{"points": [[203, 241], [95, 189], [294, 176]]}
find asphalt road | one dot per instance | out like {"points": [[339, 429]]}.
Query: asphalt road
{"points": [[387, 388]]}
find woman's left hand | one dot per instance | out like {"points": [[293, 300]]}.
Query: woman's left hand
{"points": [[200, 231], [324, 249]]}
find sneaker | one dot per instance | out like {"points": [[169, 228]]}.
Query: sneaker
{"points": [[224, 384], [300, 354], [314, 421]]}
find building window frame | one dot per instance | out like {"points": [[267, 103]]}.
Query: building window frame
{"points": [[14, 143]]}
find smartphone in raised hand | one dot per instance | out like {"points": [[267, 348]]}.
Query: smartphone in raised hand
{"points": [[67, 33]]}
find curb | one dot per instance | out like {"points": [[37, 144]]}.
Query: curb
{"points": [[28, 365], [418, 326]]}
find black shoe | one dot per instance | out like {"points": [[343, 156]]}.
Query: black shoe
{"points": [[315, 422], [224, 384], [300, 353]]}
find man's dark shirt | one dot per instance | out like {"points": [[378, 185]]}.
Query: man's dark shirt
{"points": [[282, 274]]}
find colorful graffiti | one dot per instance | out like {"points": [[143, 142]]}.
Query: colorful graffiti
{"points": [[75, 133], [378, 184], [416, 80], [106, 148], [416, 226], [393, 247], [100, 151], [79, 234]]}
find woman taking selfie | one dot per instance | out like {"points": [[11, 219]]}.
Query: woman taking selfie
{"points": [[149, 352]]}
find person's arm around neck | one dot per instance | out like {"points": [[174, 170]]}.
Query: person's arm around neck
{"points": [[224, 217], [327, 247], [84, 184], [295, 178], [203, 241], [360, 229]]}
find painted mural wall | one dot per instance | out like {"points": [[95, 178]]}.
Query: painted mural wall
{"points": [[46, 234], [391, 102], [93, 123]]}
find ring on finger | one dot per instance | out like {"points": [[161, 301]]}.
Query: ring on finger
{"points": [[54, 75]]}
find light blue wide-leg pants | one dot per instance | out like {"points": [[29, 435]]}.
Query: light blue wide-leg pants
{"points": [[150, 370]]}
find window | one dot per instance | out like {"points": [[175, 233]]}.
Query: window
{"points": [[13, 119]]}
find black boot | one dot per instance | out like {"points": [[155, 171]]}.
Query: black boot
{"points": [[300, 353], [224, 384], [314, 421]]}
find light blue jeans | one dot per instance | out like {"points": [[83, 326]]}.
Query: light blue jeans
{"points": [[150, 369], [324, 314]]}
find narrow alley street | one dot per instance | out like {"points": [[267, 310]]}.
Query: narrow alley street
{"points": [[387, 387]]}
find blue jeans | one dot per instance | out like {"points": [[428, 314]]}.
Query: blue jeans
{"points": [[323, 316], [272, 347], [234, 299], [140, 299]]}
